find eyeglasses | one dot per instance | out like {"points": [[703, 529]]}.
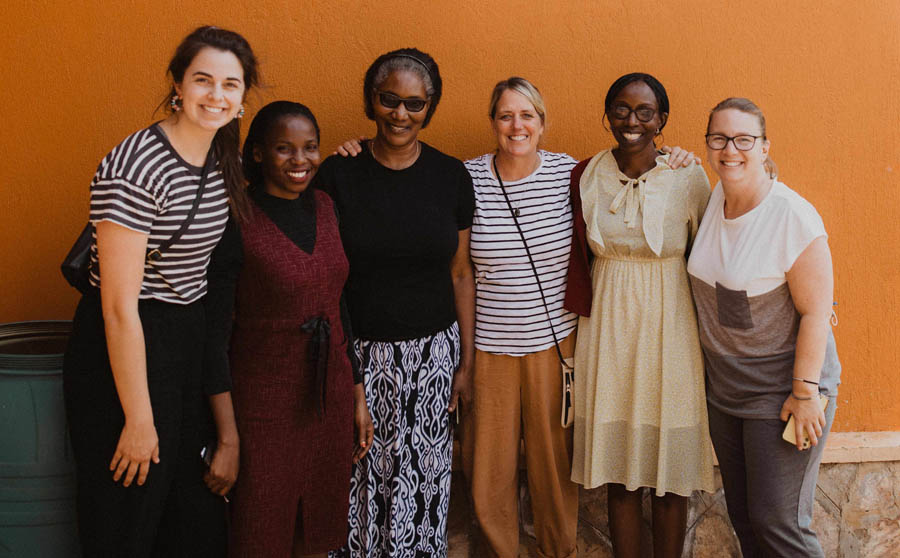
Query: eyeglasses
{"points": [[741, 143], [391, 101], [622, 112]]}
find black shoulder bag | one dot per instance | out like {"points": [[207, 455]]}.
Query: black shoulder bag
{"points": [[76, 267], [566, 364]]}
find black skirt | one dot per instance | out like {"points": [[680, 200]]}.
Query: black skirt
{"points": [[173, 513]]}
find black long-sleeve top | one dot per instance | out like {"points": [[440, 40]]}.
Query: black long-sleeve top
{"points": [[297, 220]]}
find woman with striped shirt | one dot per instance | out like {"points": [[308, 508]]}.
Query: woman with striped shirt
{"points": [[134, 394]]}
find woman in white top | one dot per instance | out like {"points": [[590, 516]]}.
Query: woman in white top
{"points": [[762, 281]]}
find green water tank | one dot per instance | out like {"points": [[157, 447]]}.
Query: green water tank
{"points": [[37, 472]]}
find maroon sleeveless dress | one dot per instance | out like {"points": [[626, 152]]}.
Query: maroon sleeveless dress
{"points": [[293, 390]]}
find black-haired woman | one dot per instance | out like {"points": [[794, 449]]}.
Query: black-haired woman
{"points": [[640, 412], [281, 275], [406, 210], [132, 374]]}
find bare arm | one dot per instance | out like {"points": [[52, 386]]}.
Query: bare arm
{"points": [[811, 283], [121, 253], [223, 470], [464, 294]]}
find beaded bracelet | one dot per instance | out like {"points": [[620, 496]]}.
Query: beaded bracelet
{"points": [[806, 381]]}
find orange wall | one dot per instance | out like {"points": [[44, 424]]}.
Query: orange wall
{"points": [[827, 74]]}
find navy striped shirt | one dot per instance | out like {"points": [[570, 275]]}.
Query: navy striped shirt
{"points": [[509, 314], [144, 185]]}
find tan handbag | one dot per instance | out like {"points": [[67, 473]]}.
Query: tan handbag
{"points": [[567, 365]]}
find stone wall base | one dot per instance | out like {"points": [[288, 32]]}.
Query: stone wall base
{"points": [[857, 514]]}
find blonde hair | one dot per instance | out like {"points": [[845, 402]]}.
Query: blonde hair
{"points": [[749, 107], [524, 88]]}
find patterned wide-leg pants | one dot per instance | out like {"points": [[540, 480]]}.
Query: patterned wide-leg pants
{"points": [[400, 492]]}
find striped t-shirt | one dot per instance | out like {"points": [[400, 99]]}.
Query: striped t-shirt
{"points": [[144, 185], [509, 314]]}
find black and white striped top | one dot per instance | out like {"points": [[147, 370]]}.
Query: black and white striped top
{"points": [[509, 315], [144, 185]]}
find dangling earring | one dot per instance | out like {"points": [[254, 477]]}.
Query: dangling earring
{"points": [[240, 112], [173, 104]]}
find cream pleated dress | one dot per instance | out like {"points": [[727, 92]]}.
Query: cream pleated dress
{"points": [[640, 404]]}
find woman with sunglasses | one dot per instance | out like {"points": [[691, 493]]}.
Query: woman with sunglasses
{"points": [[132, 375], [405, 213], [762, 280], [640, 411]]}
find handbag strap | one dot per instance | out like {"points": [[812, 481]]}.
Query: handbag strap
{"points": [[156, 253], [531, 261]]}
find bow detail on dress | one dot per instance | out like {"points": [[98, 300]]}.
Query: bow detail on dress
{"points": [[645, 195], [632, 195], [319, 348]]}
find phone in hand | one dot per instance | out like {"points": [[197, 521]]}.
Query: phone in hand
{"points": [[790, 434]]}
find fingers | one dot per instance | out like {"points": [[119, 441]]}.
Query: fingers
{"points": [[120, 465], [155, 455], [454, 400], [132, 471], [813, 438], [799, 435], [143, 471], [785, 413]]}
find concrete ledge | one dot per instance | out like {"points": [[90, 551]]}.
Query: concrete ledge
{"points": [[862, 447]]}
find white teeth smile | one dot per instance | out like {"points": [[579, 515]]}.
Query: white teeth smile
{"points": [[214, 110], [630, 136], [398, 129], [518, 138], [298, 174], [731, 163]]}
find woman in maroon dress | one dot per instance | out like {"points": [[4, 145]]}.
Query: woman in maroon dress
{"points": [[281, 276]]}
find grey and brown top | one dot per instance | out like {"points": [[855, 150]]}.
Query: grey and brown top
{"points": [[747, 319]]}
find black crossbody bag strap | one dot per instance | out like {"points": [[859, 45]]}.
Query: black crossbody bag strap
{"points": [[531, 261], [156, 253]]}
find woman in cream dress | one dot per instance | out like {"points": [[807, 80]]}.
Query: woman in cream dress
{"points": [[640, 412]]}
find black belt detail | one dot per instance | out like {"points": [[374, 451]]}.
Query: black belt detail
{"points": [[319, 348]]}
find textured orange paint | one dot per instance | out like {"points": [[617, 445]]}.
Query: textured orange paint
{"points": [[80, 77]]}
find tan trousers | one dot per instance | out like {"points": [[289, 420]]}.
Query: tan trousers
{"points": [[514, 398]]}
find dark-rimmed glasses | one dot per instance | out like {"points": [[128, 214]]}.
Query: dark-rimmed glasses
{"points": [[391, 101], [622, 112], [741, 143]]}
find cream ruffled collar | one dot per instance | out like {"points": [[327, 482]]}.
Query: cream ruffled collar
{"points": [[646, 194]]}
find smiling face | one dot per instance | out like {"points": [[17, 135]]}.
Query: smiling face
{"points": [[289, 157], [212, 89], [517, 125], [731, 164], [633, 135], [397, 126]]}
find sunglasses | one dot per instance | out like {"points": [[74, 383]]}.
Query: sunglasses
{"points": [[391, 101]]}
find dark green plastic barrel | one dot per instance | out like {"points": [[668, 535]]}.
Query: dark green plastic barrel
{"points": [[37, 473]]}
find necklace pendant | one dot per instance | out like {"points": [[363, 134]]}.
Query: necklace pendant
{"points": [[516, 212]]}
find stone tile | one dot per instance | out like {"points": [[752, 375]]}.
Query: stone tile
{"points": [[871, 497], [835, 480], [827, 526], [714, 538], [882, 539]]}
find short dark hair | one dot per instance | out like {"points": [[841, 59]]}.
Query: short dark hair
{"points": [[227, 141], [408, 59], [662, 98], [259, 129]]}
